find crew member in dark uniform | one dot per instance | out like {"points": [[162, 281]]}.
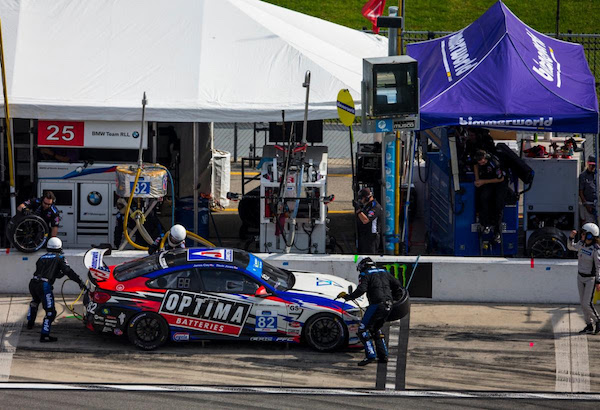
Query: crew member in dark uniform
{"points": [[49, 267], [490, 193], [369, 214], [381, 288], [43, 207]]}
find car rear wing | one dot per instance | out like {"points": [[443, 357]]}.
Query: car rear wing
{"points": [[94, 262]]}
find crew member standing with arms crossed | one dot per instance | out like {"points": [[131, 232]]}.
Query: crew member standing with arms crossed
{"points": [[588, 279], [368, 214]]}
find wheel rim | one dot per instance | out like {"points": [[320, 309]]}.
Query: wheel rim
{"points": [[148, 329], [30, 234], [325, 332], [547, 248]]}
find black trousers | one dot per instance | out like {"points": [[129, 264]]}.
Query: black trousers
{"points": [[368, 243], [490, 204]]}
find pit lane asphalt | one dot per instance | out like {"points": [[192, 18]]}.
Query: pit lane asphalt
{"points": [[452, 347]]}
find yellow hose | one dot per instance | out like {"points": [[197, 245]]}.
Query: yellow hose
{"points": [[192, 235], [135, 245]]}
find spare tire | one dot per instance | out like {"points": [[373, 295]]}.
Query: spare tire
{"points": [[27, 233], [549, 243]]}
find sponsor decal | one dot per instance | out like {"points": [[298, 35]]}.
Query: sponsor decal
{"points": [[205, 313], [540, 122], [107, 329], [120, 287], [105, 311], [122, 318], [295, 324], [99, 274], [459, 56], [327, 282], [255, 265], [544, 65], [210, 254], [94, 198], [181, 337], [271, 339], [294, 331], [118, 332]]}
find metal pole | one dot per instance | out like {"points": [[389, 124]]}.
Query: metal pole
{"points": [[154, 141], [31, 161], [144, 102], [195, 161], [401, 31], [235, 141], [8, 131], [557, 16], [413, 139], [393, 33]]}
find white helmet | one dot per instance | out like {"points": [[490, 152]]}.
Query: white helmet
{"points": [[54, 244], [176, 235], [592, 228]]}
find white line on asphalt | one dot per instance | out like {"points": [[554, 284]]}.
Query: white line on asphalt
{"points": [[11, 320], [390, 380], [298, 391], [570, 352]]}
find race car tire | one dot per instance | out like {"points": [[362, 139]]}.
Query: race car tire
{"points": [[326, 333], [148, 330], [27, 233], [400, 308]]}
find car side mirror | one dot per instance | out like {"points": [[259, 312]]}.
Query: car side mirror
{"points": [[261, 292]]}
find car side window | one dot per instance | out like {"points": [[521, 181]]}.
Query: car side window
{"points": [[227, 281], [185, 279]]}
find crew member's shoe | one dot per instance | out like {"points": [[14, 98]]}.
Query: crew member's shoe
{"points": [[588, 330], [597, 328], [383, 360], [366, 361], [30, 324], [47, 339]]}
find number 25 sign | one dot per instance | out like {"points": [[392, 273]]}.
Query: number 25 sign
{"points": [[60, 133]]}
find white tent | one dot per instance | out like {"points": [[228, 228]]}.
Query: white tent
{"points": [[197, 60]]}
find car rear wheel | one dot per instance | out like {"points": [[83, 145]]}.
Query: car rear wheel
{"points": [[148, 330], [326, 333]]}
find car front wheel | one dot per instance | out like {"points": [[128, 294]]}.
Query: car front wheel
{"points": [[148, 330], [326, 333]]}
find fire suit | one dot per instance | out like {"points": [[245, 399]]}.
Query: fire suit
{"points": [[588, 266], [49, 267], [380, 287]]}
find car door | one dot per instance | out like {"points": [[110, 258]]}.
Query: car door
{"points": [[265, 317]]}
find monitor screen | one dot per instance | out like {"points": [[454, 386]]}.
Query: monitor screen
{"points": [[395, 89]]}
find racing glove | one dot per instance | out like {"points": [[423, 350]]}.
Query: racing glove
{"points": [[82, 286], [26, 211], [357, 205], [342, 295]]}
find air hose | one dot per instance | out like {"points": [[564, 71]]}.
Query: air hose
{"points": [[71, 307]]}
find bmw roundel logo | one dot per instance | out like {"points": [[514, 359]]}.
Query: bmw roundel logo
{"points": [[94, 198], [136, 134]]}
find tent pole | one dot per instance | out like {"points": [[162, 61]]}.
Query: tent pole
{"points": [[8, 131], [195, 170]]}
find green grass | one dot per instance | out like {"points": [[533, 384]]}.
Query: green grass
{"points": [[580, 16]]}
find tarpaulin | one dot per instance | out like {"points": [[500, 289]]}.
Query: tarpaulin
{"points": [[500, 73]]}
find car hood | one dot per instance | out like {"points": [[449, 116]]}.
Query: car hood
{"points": [[324, 285]]}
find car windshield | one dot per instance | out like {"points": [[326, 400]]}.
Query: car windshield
{"points": [[280, 279], [135, 268]]}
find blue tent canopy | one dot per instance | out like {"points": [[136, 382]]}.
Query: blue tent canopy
{"points": [[500, 73]]}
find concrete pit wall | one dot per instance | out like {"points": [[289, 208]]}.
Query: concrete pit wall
{"points": [[499, 280]]}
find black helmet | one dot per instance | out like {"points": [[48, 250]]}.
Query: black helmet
{"points": [[365, 263]]}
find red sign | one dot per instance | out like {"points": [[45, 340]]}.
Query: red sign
{"points": [[60, 133]]}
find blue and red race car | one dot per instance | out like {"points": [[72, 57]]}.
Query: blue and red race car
{"points": [[202, 294]]}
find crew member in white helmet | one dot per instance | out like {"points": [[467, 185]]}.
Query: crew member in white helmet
{"points": [[176, 239], [588, 266]]}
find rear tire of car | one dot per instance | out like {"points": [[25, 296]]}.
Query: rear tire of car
{"points": [[326, 333], [148, 330]]}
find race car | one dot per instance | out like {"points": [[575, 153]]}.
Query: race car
{"points": [[203, 294]]}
